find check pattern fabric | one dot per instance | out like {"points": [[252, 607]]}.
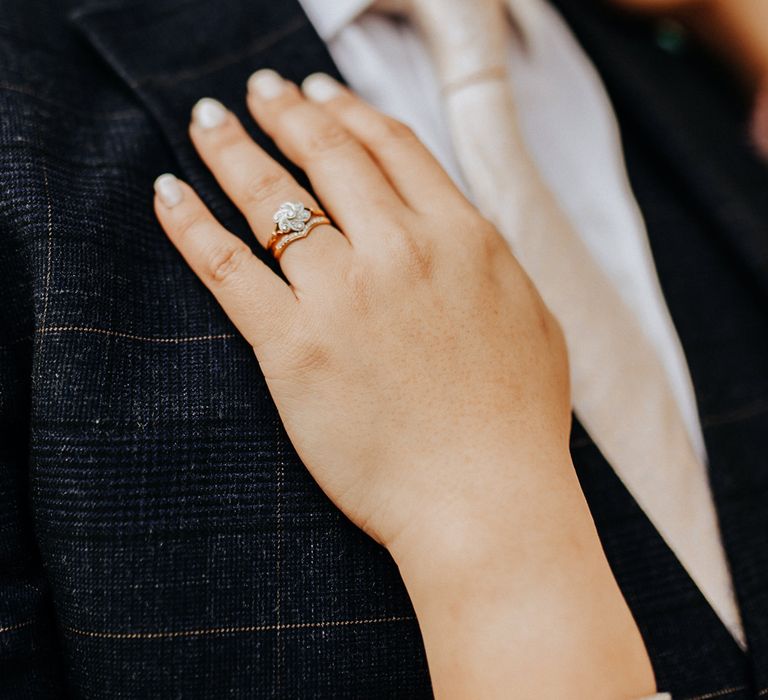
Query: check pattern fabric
{"points": [[159, 537]]}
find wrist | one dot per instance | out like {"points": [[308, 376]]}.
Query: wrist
{"points": [[513, 541], [533, 508], [523, 594]]}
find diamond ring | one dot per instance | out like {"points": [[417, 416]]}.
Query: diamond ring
{"points": [[293, 221]]}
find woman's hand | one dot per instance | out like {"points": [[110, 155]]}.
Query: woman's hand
{"points": [[417, 371], [410, 349]]}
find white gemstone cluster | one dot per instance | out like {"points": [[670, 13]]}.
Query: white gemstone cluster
{"points": [[292, 216]]}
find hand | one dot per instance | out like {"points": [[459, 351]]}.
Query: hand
{"points": [[423, 383], [408, 347]]}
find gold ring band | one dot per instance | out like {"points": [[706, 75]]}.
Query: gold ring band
{"points": [[280, 241], [293, 221]]}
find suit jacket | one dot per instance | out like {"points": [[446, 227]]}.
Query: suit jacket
{"points": [[159, 537]]}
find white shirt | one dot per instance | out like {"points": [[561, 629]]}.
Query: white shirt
{"points": [[578, 152]]}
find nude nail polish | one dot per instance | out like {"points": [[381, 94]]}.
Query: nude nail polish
{"points": [[266, 84], [168, 190], [208, 113], [320, 87]]}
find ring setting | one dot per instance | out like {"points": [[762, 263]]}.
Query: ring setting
{"points": [[293, 221]]}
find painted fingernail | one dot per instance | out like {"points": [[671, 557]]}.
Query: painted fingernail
{"points": [[168, 190], [320, 87], [209, 113], [266, 83]]}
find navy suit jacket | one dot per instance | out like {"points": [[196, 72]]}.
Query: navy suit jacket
{"points": [[159, 537]]}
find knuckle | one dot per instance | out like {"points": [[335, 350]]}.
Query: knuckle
{"points": [[489, 242], [481, 244], [329, 137], [308, 353], [225, 260], [189, 223], [228, 140], [415, 257], [388, 130], [265, 186], [357, 282], [314, 356]]}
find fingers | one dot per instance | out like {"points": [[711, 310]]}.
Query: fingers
{"points": [[343, 173], [414, 172], [256, 300], [369, 170], [258, 186]]}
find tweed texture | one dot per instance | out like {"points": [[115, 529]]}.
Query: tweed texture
{"points": [[159, 537]]}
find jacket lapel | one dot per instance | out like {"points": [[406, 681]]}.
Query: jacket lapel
{"points": [[170, 53]]}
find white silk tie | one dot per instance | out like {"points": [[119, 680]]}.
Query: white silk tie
{"points": [[612, 361]]}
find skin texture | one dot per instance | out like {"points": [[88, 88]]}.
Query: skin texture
{"points": [[425, 386]]}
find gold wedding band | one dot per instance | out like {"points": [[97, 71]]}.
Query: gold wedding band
{"points": [[293, 221]]}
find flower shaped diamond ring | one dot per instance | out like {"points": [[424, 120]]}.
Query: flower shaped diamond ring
{"points": [[293, 221]]}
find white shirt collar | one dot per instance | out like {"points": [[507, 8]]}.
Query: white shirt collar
{"points": [[329, 17]]}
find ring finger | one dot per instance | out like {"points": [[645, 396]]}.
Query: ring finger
{"points": [[258, 186], [345, 176]]}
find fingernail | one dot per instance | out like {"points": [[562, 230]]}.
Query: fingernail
{"points": [[320, 87], [266, 83], [168, 190], [208, 113]]}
